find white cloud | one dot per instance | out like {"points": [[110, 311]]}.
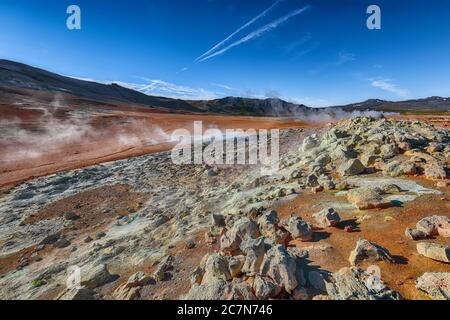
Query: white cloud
{"points": [[255, 34], [295, 44], [170, 90], [389, 86], [182, 70], [223, 86], [163, 89], [345, 57], [221, 43]]}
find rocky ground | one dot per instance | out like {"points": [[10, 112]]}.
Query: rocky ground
{"points": [[358, 210]]}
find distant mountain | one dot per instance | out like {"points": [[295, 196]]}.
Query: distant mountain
{"points": [[18, 75], [15, 75], [248, 106], [431, 104]]}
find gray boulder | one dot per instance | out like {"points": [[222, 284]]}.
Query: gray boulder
{"points": [[415, 234], [327, 218], [298, 228], [96, 277], [430, 225], [436, 285], [163, 267], [368, 198], [216, 267], [215, 290], [355, 284], [280, 267], [241, 230], [138, 279], [254, 250], [369, 252], [309, 143], [434, 251], [351, 168], [398, 168], [265, 288], [317, 280], [235, 265], [217, 220], [81, 294], [435, 172], [268, 224]]}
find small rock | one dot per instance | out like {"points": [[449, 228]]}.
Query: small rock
{"points": [[436, 285], [280, 267], [235, 265], [300, 294], [71, 216], [442, 184], [96, 276], [88, 239], [218, 220], [163, 267], [241, 230], [216, 267], [254, 250], [398, 168], [81, 294], [351, 168], [190, 244], [368, 198], [197, 276], [435, 172], [298, 228], [210, 238], [434, 251], [348, 229], [317, 280], [212, 172], [100, 235], [138, 279], [370, 252], [430, 225], [415, 234], [327, 218], [268, 224], [444, 229], [62, 243], [352, 284], [50, 239], [265, 288], [309, 143]]}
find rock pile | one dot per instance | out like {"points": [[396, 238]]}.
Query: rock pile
{"points": [[253, 264]]}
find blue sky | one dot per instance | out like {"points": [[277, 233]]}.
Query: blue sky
{"points": [[321, 55]]}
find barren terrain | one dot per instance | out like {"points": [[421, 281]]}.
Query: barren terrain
{"points": [[141, 227]]}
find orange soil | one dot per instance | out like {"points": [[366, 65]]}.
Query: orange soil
{"points": [[442, 121], [105, 144], [409, 265]]}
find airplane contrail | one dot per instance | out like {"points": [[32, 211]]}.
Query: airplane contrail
{"points": [[261, 15], [257, 33]]}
